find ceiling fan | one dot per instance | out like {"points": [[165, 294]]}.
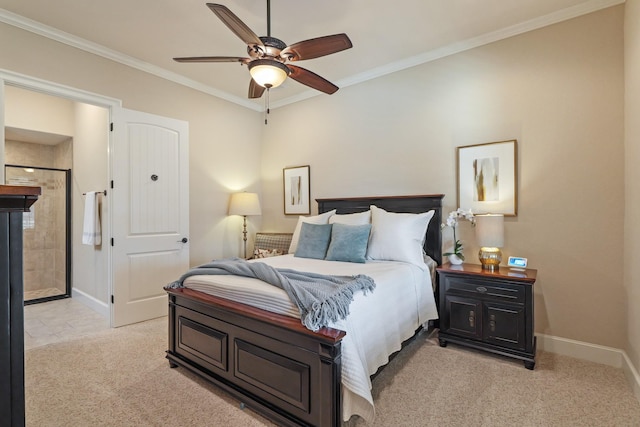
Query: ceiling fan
{"points": [[269, 60]]}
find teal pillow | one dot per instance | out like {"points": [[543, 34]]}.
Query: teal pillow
{"points": [[314, 240], [348, 242]]}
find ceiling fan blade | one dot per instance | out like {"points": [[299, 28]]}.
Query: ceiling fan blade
{"points": [[234, 23], [315, 48], [255, 90], [311, 79], [213, 59]]}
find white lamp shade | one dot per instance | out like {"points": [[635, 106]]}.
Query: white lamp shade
{"points": [[490, 230], [244, 204], [268, 73]]}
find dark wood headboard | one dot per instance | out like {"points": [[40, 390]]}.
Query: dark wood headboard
{"points": [[400, 204]]}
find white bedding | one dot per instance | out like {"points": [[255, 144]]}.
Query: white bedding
{"points": [[377, 325]]}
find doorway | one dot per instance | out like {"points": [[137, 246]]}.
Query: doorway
{"points": [[99, 128], [46, 232], [74, 127]]}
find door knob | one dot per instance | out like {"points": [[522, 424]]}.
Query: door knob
{"points": [[184, 240]]}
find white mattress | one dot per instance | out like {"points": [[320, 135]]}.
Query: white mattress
{"points": [[377, 325]]}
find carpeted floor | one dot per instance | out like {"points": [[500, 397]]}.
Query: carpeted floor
{"points": [[454, 386], [120, 377]]}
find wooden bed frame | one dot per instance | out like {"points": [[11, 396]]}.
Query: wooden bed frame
{"points": [[271, 362]]}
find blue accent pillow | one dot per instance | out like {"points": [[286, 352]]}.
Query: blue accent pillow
{"points": [[348, 242], [314, 240]]}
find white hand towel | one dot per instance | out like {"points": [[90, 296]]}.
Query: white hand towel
{"points": [[91, 234]]}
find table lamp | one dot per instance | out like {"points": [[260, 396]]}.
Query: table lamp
{"points": [[490, 236], [244, 204]]}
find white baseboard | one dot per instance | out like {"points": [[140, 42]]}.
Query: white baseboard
{"points": [[632, 375], [581, 350], [91, 302], [593, 353]]}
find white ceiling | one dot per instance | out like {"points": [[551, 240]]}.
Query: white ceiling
{"points": [[387, 35]]}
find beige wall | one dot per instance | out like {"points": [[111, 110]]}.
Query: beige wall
{"points": [[39, 112], [558, 91], [632, 178], [90, 173]]}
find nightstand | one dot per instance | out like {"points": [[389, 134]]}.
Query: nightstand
{"points": [[491, 311]]}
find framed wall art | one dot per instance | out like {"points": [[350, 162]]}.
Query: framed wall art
{"points": [[297, 189], [487, 177]]}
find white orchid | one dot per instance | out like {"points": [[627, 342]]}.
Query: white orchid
{"points": [[460, 213], [452, 221]]}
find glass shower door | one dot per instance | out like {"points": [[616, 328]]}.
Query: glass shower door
{"points": [[46, 233]]}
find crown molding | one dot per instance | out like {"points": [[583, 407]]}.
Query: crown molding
{"points": [[432, 55]]}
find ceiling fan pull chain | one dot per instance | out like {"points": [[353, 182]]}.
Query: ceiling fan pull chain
{"points": [[266, 106]]}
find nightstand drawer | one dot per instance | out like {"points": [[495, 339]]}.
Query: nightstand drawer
{"points": [[468, 286]]}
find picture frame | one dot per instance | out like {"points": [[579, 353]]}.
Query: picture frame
{"points": [[297, 189], [487, 177]]}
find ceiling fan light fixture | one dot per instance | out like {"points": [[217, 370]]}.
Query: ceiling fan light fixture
{"points": [[268, 72]]}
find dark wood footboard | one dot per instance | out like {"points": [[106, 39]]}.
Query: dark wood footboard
{"points": [[270, 362]]}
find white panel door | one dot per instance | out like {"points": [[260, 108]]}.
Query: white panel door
{"points": [[150, 213]]}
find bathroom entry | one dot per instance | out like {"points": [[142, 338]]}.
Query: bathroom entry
{"points": [[46, 232]]}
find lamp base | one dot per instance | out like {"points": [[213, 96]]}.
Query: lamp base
{"points": [[244, 235], [490, 258]]}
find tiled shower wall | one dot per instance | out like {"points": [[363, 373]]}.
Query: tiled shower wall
{"points": [[44, 244]]}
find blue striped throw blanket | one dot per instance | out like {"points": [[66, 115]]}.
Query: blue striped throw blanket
{"points": [[321, 299]]}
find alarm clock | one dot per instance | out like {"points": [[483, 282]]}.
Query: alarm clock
{"points": [[517, 262]]}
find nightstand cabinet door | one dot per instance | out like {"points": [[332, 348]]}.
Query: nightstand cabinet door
{"points": [[464, 316], [504, 325]]}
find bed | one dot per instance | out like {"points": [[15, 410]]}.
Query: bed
{"points": [[269, 360]]}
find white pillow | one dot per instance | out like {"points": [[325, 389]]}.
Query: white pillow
{"points": [[398, 236], [360, 218], [318, 219]]}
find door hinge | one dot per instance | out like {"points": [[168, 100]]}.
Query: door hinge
{"points": [[112, 299], [112, 242], [111, 126]]}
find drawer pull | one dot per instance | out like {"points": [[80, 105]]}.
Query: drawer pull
{"points": [[472, 319], [481, 289]]}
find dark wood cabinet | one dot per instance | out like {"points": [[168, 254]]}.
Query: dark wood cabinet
{"points": [[13, 201], [491, 311]]}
